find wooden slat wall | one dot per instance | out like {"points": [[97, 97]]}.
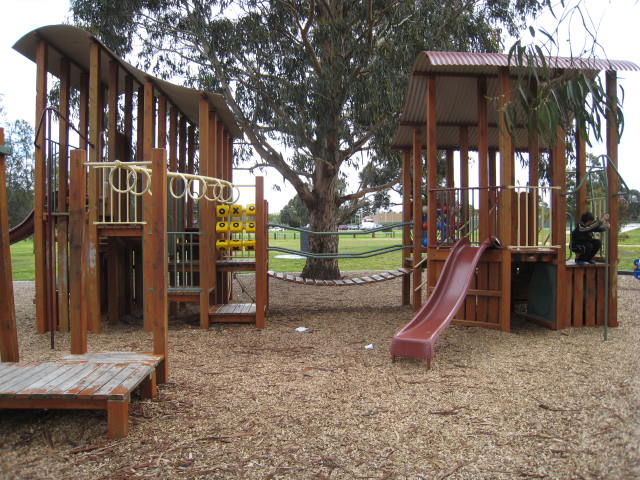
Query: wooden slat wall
{"points": [[587, 304], [481, 307]]}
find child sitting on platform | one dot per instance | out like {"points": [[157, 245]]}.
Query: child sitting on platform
{"points": [[583, 244]]}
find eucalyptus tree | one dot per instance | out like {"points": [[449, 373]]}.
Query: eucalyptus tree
{"points": [[316, 85], [19, 137]]}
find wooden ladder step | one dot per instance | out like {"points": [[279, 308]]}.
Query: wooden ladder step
{"points": [[233, 312]]}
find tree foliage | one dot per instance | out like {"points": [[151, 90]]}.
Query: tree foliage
{"points": [[315, 84], [19, 137], [294, 213], [576, 100]]}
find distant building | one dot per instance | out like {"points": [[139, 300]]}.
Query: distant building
{"points": [[385, 218]]}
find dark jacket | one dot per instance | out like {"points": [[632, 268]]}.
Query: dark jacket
{"points": [[583, 233]]}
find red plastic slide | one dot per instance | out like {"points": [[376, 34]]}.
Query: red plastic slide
{"points": [[22, 230], [417, 339]]}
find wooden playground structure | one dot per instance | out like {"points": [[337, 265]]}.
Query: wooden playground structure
{"points": [[123, 115], [140, 214], [453, 104]]}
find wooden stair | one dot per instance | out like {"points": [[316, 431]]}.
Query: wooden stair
{"points": [[233, 312]]}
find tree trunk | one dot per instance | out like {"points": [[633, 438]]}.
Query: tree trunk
{"points": [[323, 217]]}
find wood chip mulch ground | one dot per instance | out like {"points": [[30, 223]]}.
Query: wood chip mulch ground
{"points": [[277, 403]]}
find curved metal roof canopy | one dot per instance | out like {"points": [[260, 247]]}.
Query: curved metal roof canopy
{"points": [[456, 94], [73, 43]]}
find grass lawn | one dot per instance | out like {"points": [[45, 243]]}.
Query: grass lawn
{"points": [[629, 249], [22, 260], [348, 244]]}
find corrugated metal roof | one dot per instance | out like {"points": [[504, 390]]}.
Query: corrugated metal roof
{"points": [[489, 60], [73, 43], [456, 97]]}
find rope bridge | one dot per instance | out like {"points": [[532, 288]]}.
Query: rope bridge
{"points": [[375, 278], [345, 282]]}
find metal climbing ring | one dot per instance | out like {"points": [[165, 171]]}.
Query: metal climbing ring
{"points": [[185, 182], [131, 179]]}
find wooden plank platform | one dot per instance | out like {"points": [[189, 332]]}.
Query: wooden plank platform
{"points": [[176, 294], [233, 312], [236, 265], [101, 381], [119, 230]]}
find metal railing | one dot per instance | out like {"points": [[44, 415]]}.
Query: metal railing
{"points": [[183, 254], [458, 213], [123, 184]]}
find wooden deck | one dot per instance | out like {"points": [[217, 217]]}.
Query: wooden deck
{"points": [[94, 381]]}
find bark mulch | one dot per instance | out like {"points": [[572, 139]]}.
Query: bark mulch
{"points": [[277, 403]]}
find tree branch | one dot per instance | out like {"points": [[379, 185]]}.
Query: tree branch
{"points": [[365, 191]]}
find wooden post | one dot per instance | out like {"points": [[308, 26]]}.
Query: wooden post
{"points": [[213, 170], [112, 122], [432, 176], [464, 178], [83, 122], [218, 170], [191, 152], [128, 113], [8, 331], [450, 169], [483, 158], [173, 167], [155, 255], [162, 122], [182, 165], [148, 202], [62, 221], [614, 185], [492, 166], [505, 227], [204, 211], [39, 242], [406, 228], [417, 218], [534, 180], [140, 123], [558, 229], [261, 254], [115, 209], [78, 254], [93, 253], [581, 172], [117, 418], [173, 162]]}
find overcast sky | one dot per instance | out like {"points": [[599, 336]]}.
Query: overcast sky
{"points": [[615, 20]]}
